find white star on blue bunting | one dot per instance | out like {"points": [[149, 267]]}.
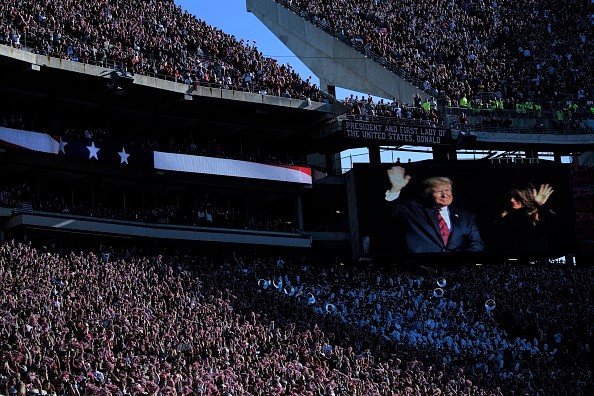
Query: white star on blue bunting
{"points": [[123, 156], [62, 147], [93, 151]]}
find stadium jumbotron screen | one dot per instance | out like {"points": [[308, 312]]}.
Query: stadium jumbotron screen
{"points": [[472, 209]]}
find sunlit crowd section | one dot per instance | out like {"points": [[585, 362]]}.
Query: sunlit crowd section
{"points": [[535, 51], [155, 38]]}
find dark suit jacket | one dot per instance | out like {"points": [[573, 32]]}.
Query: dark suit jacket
{"points": [[516, 234], [419, 228]]}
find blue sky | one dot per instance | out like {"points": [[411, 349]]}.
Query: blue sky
{"points": [[231, 17]]}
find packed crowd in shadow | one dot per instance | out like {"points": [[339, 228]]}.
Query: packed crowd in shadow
{"points": [[124, 323]]}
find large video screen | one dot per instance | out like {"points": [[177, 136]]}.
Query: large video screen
{"points": [[465, 208]]}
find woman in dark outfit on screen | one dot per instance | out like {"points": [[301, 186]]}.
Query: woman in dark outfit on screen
{"points": [[527, 225]]}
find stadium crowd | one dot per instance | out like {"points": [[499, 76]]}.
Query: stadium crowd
{"points": [[366, 108], [529, 334], [535, 50], [191, 324], [154, 38], [122, 322]]}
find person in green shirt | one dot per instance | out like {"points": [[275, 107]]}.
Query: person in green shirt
{"points": [[463, 101], [426, 105]]}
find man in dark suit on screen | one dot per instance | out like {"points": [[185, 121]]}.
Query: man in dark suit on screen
{"points": [[430, 224]]}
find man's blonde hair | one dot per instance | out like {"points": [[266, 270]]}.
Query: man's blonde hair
{"points": [[431, 182]]}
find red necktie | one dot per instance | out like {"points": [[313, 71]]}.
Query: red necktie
{"points": [[443, 228]]}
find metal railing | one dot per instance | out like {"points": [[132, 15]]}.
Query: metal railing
{"points": [[512, 113], [28, 40], [388, 120], [530, 131]]}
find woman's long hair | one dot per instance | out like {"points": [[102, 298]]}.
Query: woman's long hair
{"points": [[524, 194]]}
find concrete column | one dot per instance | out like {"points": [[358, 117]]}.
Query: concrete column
{"points": [[444, 153], [330, 169], [331, 89], [531, 153], [298, 211], [374, 155]]}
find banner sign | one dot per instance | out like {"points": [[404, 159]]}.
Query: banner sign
{"points": [[103, 154], [230, 167], [395, 134]]}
